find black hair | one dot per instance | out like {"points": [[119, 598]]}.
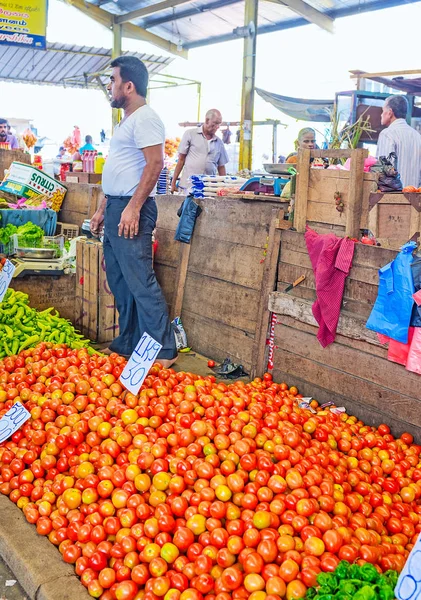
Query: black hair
{"points": [[133, 69], [398, 105], [3, 122], [88, 139]]}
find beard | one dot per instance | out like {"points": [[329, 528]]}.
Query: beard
{"points": [[3, 135], [118, 102]]}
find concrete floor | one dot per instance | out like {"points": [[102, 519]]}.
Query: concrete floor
{"points": [[12, 591], [192, 362]]}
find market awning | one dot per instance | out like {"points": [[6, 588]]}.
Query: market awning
{"points": [[65, 64], [298, 108]]}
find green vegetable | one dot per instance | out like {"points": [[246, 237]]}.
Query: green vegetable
{"points": [[6, 233], [369, 573]]}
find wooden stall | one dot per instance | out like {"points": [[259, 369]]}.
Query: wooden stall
{"points": [[220, 283], [395, 218], [9, 156], [80, 203], [46, 290]]}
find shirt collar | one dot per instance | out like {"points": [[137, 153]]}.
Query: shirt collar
{"points": [[397, 122], [200, 130]]}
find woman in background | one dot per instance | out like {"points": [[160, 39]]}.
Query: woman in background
{"points": [[306, 140]]}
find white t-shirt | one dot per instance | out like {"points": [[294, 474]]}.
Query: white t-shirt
{"points": [[125, 163]]}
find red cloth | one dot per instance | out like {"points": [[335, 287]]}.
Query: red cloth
{"points": [[331, 259]]}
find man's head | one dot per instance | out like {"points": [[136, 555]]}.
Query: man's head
{"points": [[213, 121], [88, 139], [129, 79], [395, 107], [3, 129]]}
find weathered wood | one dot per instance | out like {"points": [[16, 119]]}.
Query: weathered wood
{"points": [[349, 360], [222, 302], [217, 340], [325, 212], [333, 153], [180, 279], [349, 325], [168, 247], [168, 206], [80, 203], [355, 193], [301, 190], [391, 403], [9, 156], [46, 290], [268, 284]]}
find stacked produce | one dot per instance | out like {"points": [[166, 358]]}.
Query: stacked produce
{"points": [[22, 326], [171, 146], [197, 490], [211, 186]]}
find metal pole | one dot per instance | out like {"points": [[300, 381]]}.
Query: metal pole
{"points": [[199, 99], [275, 142], [116, 51], [247, 97]]}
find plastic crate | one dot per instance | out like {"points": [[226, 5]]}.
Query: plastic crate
{"points": [[20, 241], [68, 230]]}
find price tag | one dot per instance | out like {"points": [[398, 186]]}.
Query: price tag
{"points": [[409, 582], [12, 420], [6, 275], [139, 363]]}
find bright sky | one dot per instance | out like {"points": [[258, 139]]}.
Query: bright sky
{"points": [[305, 62]]}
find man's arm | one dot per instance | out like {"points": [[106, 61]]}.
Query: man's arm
{"points": [[96, 224], [177, 171], [222, 170], [129, 222]]}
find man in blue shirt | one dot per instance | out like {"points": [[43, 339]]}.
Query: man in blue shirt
{"points": [[88, 145]]}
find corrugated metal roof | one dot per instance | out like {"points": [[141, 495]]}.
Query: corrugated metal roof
{"points": [[64, 64], [196, 23]]}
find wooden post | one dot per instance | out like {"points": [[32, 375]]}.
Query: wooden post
{"points": [[115, 53], [249, 74], [180, 279], [356, 193], [301, 190], [267, 287]]}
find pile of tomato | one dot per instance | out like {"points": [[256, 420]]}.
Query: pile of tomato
{"points": [[197, 490]]}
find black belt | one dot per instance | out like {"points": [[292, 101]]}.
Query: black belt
{"points": [[118, 197]]}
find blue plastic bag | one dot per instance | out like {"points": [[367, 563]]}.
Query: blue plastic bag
{"points": [[391, 314], [188, 213]]}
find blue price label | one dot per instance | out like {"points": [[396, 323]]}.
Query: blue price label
{"points": [[139, 363], [13, 420], [6, 275]]}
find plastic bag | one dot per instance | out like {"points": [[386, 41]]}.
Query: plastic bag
{"points": [[188, 213], [180, 334], [391, 314], [389, 179]]}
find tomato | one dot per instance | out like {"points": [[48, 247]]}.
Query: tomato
{"points": [[211, 364]]}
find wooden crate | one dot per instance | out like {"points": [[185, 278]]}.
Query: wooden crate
{"points": [[395, 218], [95, 313], [9, 156], [46, 290], [80, 202]]}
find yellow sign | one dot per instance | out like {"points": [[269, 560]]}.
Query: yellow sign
{"points": [[23, 23]]}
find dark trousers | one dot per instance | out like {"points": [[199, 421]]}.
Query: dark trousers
{"points": [[140, 302]]}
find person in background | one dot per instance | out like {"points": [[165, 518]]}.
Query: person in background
{"points": [[129, 213], [102, 136], [306, 140], [61, 152], [7, 138], [200, 152], [401, 138], [88, 147]]}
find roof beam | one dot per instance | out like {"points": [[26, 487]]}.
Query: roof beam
{"points": [[310, 14], [148, 10], [188, 12], [137, 33], [97, 14]]}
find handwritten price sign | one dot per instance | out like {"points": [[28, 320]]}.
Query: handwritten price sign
{"points": [[139, 363], [12, 420], [409, 582], [6, 275]]}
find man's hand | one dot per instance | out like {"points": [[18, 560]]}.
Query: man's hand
{"points": [[173, 186], [97, 222], [129, 222]]}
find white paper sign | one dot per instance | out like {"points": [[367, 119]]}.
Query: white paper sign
{"points": [[409, 582], [12, 420], [139, 363], [6, 275]]}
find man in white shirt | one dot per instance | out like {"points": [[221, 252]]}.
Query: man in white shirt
{"points": [[402, 139], [129, 213], [201, 152]]}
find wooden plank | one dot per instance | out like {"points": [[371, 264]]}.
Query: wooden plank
{"points": [[268, 284], [355, 193], [46, 290], [392, 404], [380, 351], [349, 360], [180, 279], [168, 206], [323, 212], [218, 342], [349, 325], [166, 279], [228, 261], [167, 253], [222, 302], [369, 415], [301, 191], [80, 202]]}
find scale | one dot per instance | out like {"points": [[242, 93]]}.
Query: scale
{"points": [[33, 266], [273, 183]]}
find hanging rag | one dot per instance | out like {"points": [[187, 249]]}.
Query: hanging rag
{"points": [[188, 213], [408, 355], [416, 278], [331, 259], [391, 314]]}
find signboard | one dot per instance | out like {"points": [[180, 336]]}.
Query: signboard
{"points": [[12, 420], [28, 182], [139, 363], [23, 23], [409, 582], [6, 275]]}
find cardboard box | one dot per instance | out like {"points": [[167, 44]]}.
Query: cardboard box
{"points": [[29, 182], [84, 177]]}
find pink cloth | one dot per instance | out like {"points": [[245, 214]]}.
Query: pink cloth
{"points": [[331, 259], [408, 355]]}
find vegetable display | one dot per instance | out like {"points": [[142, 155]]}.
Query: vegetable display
{"points": [[22, 326], [29, 234], [198, 490]]}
